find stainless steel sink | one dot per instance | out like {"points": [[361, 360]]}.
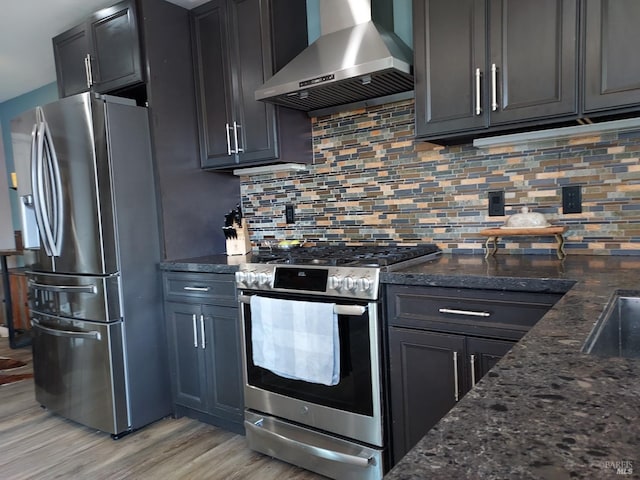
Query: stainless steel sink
{"points": [[617, 331]]}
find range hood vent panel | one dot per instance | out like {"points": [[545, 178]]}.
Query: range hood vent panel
{"points": [[356, 63], [347, 91]]}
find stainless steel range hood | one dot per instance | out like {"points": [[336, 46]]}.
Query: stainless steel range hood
{"points": [[354, 59]]}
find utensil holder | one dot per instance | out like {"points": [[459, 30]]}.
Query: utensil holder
{"points": [[242, 244]]}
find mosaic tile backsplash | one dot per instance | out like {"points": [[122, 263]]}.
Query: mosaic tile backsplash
{"points": [[371, 181]]}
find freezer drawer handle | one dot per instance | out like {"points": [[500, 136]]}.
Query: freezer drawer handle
{"points": [[65, 288], [66, 333], [319, 452]]}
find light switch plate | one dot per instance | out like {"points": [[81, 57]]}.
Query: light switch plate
{"points": [[289, 214]]}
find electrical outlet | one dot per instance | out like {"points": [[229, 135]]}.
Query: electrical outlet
{"points": [[289, 214], [572, 199], [496, 204]]}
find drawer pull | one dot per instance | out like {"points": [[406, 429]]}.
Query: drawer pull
{"points": [[478, 104], [195, 331], [456, 392], [473, 370], [470, 313], [202, 331], [196, 289], [494, 87]]}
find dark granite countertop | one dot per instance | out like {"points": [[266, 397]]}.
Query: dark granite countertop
{"points": [[210, 264], [546, 410]]}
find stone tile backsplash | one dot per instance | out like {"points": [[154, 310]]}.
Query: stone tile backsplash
{"points": [[371, 181]]}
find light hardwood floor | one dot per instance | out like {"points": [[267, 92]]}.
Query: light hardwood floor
{"points": [[35, 444]]}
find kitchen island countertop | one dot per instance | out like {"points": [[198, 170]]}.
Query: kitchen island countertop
{"points": [[546, 410]]}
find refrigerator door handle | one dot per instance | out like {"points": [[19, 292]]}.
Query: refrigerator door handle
{"points": [[36, 180], [64, 288], [93, 335], [57, 201], [49, 188], [43, 190]]}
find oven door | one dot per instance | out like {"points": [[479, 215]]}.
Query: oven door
{"points": [[351, 408]]}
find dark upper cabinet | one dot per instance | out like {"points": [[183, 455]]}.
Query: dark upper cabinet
{"points": [[70, 50], [213, 82], [482, 64], [237, 45], [449, 46], [102, 54], [532, 66], [611, 60]]}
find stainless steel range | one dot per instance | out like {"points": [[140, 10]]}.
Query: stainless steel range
{"points": [[313, 355]]}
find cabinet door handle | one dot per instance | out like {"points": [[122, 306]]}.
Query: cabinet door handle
{"points": [[87, 70], [237, 126], [456, 391], [494, 87], [478, 102], [472, 360], [470, 313], [202, 331], [195, 331], [227, 128], [196, 289]]}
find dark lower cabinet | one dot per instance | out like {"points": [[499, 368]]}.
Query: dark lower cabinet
{"points": [[187, 358], [611, 63], [442, 341], [423, 376], [204, 348], [430, 373]]}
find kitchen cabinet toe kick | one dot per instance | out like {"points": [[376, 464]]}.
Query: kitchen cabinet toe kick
{"points": [[494, 234]]}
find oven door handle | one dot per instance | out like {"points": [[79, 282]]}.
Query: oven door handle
{"points": [[363, 462], [355, 310]]}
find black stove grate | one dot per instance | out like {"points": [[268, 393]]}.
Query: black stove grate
{"points": [[336, 255]]}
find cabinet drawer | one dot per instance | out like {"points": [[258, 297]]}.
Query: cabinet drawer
{"points": [[493, 313], [201, 287]]}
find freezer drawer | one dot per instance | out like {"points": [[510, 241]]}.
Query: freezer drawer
{"points": [[79, 371], [93, 298]]}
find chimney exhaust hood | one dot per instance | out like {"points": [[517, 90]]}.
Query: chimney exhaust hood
{"points": [[354, 59]]}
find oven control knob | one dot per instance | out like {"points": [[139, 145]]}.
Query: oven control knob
{"points": [[252, 278], [241, 277], [264, 279], [349, 283], [364, 284], [335, 283]]}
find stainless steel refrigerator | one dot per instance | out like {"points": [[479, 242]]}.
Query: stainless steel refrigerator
{"points": [[88, 206]]}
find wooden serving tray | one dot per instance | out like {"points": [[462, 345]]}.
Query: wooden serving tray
{"points": [[494, 234]]}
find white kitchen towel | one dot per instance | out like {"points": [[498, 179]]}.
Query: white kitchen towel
{"points": [[295, 339]]}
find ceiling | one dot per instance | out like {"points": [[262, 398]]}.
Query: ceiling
{"points": [[26, 30]]}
